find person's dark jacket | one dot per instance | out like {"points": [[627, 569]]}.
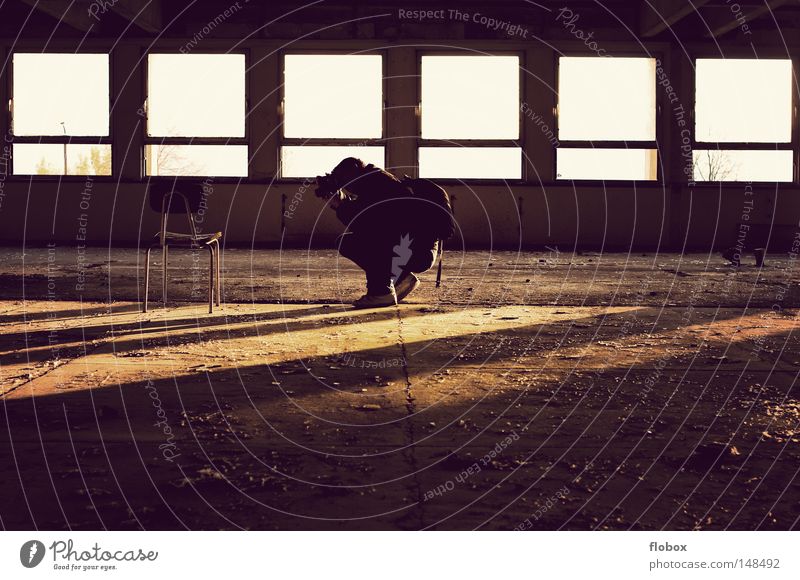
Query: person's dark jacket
{"points": [[380, 209], [375, 199]]}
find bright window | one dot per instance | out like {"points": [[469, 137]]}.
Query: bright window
{"points": [[60, 94], [470, 162], [196, 110], [182, 160], [745, 102], [64, 98], [742, 165], [472, 101], [470, 97], [336, 99], [608, 164], [195, 95], [309, 160], [61, 159], [333, 96], [607, 100]]}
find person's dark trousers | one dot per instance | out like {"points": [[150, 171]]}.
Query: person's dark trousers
{"points": [[383, 256]]}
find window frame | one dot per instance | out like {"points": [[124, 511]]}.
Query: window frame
{"points": [[148, 140], [519, 143], [604, 144], [793, 144], [59, 139], [284, 141]]}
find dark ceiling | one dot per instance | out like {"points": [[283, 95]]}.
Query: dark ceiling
{"points": [[669, 20]]}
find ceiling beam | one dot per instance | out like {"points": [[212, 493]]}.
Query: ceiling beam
{"points": [[658, 15], [74, 14], [147, 17], [745, 18]]}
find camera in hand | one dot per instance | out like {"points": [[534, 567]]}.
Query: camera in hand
{"points": [[327, 186]]}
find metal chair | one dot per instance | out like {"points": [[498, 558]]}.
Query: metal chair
{"points": [[165, 197]]}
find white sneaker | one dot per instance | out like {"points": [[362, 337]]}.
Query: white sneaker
{"points": [[376, 300], [406, 285]]}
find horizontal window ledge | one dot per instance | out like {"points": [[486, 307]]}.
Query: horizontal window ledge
{"points": [[653, 187], [196, 141], [749, 146], [469, 143], [61, 140], [289, 142], [607, 144]]}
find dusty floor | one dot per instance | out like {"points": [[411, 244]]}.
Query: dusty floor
{"points": [[533, 390]]}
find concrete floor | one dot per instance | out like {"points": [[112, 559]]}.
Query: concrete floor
{"points": [[533, 390]]}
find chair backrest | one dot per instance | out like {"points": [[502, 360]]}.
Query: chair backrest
{"points": [[159, 189], [175, 197]]}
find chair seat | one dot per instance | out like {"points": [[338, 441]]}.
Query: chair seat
{"points": [[175, 238]]}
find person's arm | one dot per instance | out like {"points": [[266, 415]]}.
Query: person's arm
{"points": [[338, 198], [345, 207], [365, 186]]}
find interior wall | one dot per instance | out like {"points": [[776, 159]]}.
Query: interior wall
{"points": [[592, 218]]}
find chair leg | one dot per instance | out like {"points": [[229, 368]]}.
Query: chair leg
{"points": [[219, 276], [210, 279], [146, 277], [439, 268], [165, 254]]}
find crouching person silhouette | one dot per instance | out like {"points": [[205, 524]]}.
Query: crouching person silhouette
{"points": [[394, 228]]}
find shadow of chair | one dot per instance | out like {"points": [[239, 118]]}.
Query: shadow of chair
{"points": [[182, 197]]}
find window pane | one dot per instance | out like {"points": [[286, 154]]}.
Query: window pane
{"points": [[333, 96], [49, 159], [471, 162], [304, 161], [195, 95], [744, 100], [470, 97], [197, 160], [606, 99], [608, 164], [57, 94], [740, 165]]}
